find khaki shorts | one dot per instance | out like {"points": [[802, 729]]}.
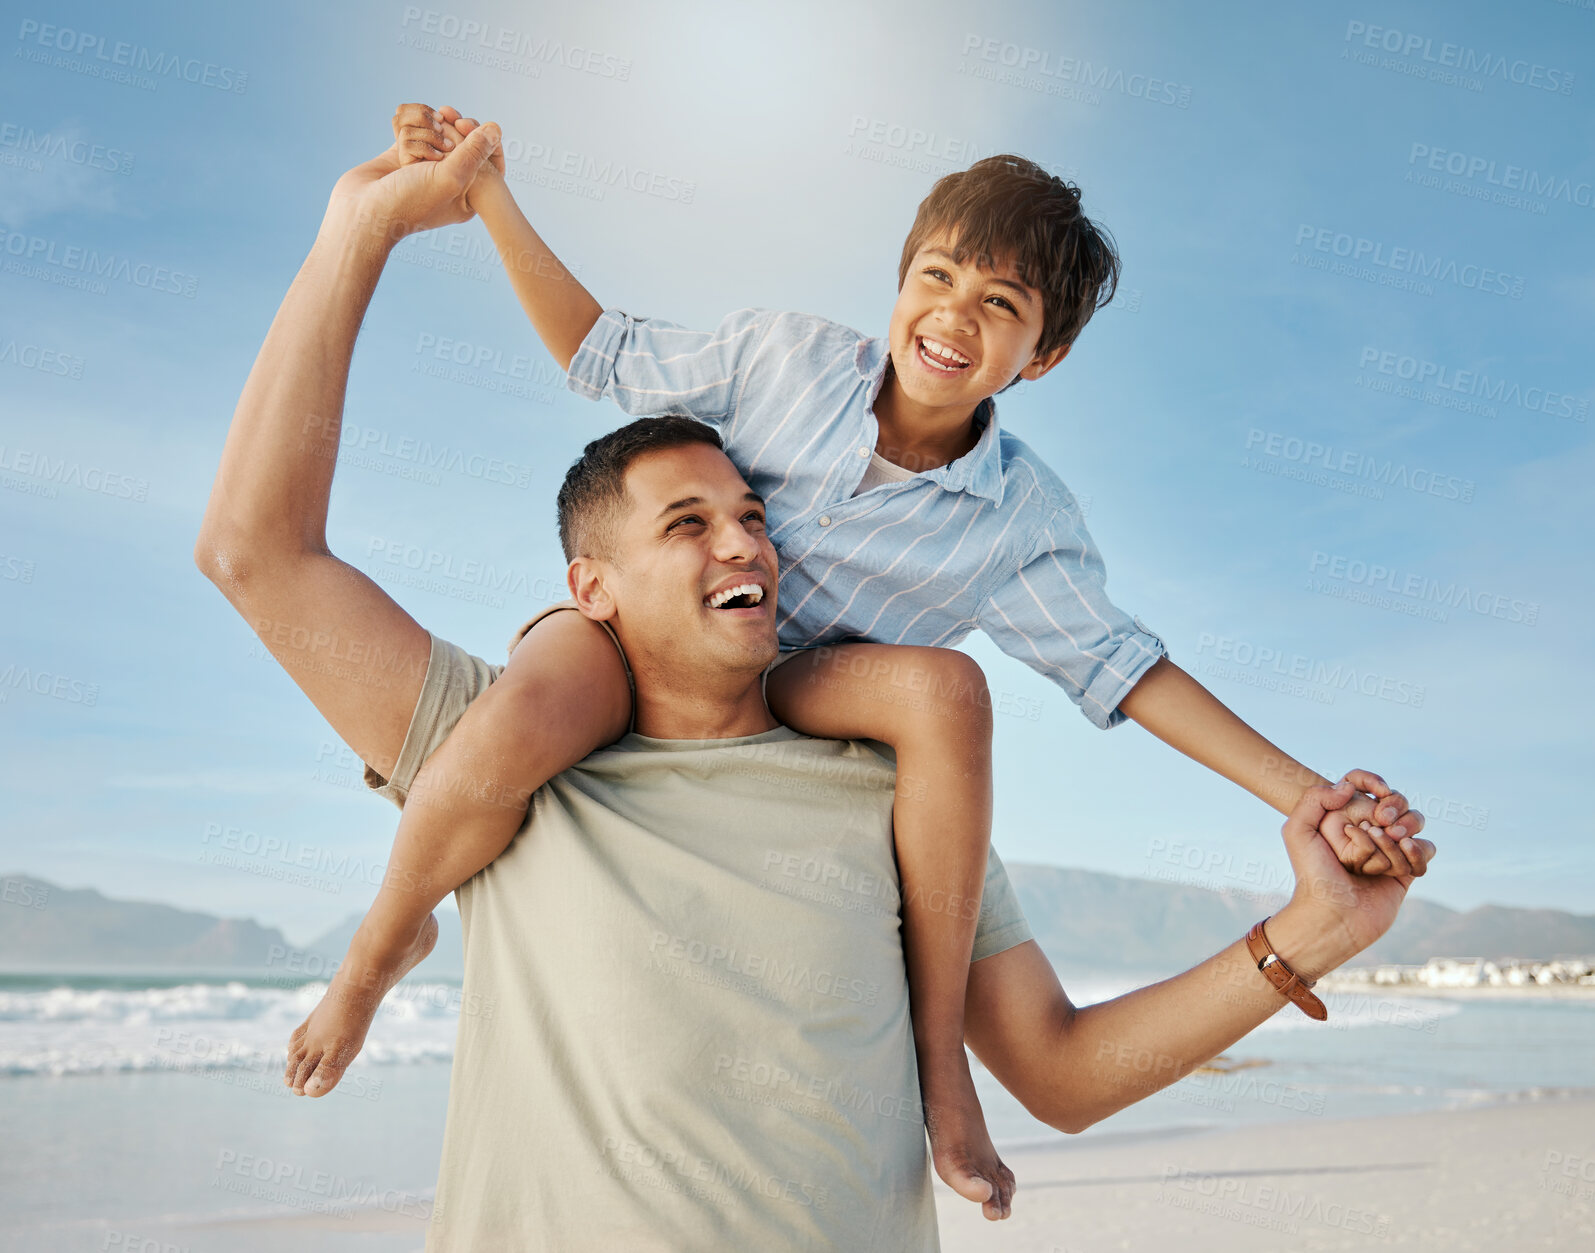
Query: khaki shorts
{"points": [[631, 681]]}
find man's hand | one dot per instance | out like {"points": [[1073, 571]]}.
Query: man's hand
{"points": [[386, 199], [1376, 832], [1357, 908], [427, 134]]}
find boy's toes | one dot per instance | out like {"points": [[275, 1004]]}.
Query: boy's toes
{"points": [[324, 1078], [305, 1069], [1001, 1203]]}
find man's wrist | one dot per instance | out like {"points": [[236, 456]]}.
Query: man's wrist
{"points": [[1311, 941]]}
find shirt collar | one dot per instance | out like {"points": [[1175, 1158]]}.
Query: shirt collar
{"points": [[978, 471]]}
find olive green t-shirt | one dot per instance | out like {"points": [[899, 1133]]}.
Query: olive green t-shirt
{"points": [[685, 1021]]}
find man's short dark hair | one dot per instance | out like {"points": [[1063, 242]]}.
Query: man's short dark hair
{"points": [[593, 499], [1009, 208]]}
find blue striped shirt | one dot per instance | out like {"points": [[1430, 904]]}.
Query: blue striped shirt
{"points": [[993, 540]]}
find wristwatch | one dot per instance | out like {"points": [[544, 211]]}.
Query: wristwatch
{"points": [[1286, 981]]}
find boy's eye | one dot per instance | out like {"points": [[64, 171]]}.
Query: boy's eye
{"points": [[938, 273], [1003, 301]]}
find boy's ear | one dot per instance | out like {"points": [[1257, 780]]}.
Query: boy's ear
{"points": [[1039, 365], [587, 578]]}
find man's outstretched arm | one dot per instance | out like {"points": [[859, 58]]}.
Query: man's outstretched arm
{"points": [[1073, 1067], [359, 657]]}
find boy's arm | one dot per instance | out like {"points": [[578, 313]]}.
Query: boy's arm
{"points": [[1053, 613], [646, 366], [1073, 1067], [1182, 713], [561, 310]]}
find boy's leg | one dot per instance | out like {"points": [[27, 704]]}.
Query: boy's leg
{"points": [[931, 705], [564, 694]]}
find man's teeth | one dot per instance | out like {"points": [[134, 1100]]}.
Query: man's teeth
{"points": [[742, 589], [942, 354]]}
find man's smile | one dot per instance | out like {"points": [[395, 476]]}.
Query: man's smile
{"points": [[743, 595]]}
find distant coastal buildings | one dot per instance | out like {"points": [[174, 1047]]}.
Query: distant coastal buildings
{"points": [[1453, 974]]}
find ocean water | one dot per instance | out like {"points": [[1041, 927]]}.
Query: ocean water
{"points": [[148, 1114]]}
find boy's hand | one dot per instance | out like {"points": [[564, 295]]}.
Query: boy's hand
{"points": [[1377, 834], [427, 134]]}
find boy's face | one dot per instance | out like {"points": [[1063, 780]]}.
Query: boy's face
{"points": [[960, 333]]}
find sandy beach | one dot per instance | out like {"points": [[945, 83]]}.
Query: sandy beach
{"points": [[1519, 1175]]}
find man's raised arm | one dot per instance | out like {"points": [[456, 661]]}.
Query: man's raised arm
{"points": [[1073, 1067], [359, 657]]}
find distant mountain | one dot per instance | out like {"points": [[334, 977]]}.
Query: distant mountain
{"points": [[1090, 921], [46, 927], [1086, 922]]}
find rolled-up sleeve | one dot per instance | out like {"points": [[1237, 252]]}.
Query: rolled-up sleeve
{"points": [[649, 366], [1054, 615]]}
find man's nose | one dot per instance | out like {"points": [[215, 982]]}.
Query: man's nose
{"points": [[734, 542]]}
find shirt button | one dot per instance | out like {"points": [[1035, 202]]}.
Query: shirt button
{"points": [[863, 452], [825, 519]]}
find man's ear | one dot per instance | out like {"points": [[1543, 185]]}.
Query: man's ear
{"points": [[1039, 365], [588, 579]]}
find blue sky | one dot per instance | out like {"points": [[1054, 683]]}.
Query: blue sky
{"points": [[1333, 437]]}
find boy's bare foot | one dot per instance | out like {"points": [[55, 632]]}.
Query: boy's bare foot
{"points": [[322, 1046], [960, 1146]]}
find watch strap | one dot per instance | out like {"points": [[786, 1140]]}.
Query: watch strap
{"points": [[1285, 980]]}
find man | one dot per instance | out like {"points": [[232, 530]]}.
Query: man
{"points": [[679, 1046]]}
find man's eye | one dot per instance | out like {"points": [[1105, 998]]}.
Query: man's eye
{"points": [[756, 516], [691, 517]]}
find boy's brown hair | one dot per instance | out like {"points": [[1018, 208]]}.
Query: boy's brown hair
{"points": [[1008, 207]]}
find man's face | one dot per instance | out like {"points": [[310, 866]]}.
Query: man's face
{"points": [[960, 333], [695, 532]]}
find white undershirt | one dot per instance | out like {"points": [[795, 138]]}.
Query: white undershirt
{"points": [[881, 471]]}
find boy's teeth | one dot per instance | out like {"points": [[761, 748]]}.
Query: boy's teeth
{"points": [[742, 589], [943, 354]]}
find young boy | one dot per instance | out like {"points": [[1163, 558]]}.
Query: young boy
{"points": [[902, 516]]}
